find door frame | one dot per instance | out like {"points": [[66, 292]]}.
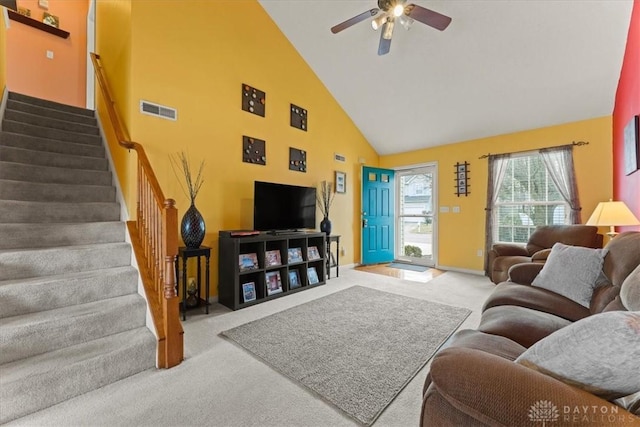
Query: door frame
{"points": [[434, 197]]}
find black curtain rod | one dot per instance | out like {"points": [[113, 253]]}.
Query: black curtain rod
{"points": [[578, 143]]}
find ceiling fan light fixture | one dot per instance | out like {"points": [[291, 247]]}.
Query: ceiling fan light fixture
{"points": [[406, 21], [388, 30], [398, 10], [379, 21]]}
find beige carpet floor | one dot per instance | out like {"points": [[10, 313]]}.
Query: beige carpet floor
{"points": [[220, 384]]}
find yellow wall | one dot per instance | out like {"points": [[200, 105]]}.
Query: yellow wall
{"points": [[195, 60], [114, 48], [3, 53], [461, 235]]}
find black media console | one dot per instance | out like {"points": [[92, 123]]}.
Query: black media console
{"points": [[256, 268]]}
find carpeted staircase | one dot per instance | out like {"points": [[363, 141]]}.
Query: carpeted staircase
{"points": [[71, 319]]}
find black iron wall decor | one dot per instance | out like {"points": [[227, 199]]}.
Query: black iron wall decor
{"points": [[297, 160], [253, 100], [298, 117], [253, 150], [462, 179]]}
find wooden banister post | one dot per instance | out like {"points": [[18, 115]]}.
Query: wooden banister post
{"points": [[174, 346]]}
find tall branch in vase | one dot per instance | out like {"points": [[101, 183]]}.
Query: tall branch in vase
{"points": [[325, 198], [192, 227]]}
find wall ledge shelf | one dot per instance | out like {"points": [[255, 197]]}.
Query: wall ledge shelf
{"points": [[15, 16]]}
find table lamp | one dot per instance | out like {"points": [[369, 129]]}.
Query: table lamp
{"points": [[612, 214]]}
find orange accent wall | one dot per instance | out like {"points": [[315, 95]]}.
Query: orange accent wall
{"points": [[29, 71], [627, 105]]}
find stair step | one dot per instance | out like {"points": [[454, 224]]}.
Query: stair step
{"points": [[49, 104], [23, 296], [29, 236], [45, 132], [71, 320], [14, 211], [25, 263], [49, 122], [33, 384], [32, 173], [35, 143], [67, 193], [15, 105], [37, 333], [43, 158]]}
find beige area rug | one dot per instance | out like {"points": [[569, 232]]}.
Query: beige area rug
{"points": [[356, 348]]}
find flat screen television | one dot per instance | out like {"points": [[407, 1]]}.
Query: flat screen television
{"points": [[283, 207]]}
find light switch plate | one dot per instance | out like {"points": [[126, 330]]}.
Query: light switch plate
{"points": [[50, 54], [444, 209], [455, 209], [43, 4]]}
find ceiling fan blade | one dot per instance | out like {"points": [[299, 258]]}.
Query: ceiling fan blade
{"points": [[427, 16], [358, 18], [385, 44]]}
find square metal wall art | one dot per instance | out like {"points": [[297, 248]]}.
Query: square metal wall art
{"points": [[253, 100]]}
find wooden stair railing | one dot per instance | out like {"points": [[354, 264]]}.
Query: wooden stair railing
{"points": [[154, 236]]}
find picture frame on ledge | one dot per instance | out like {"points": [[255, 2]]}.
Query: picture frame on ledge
{"points": [[294, 279], [274, 283], [312, 253], [273, 258], [632, 146], [248, 262], [295, 255], [51, 20], [249, 291], [312, 274]]}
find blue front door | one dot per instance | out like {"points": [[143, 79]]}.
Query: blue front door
{"points": [[377, 215]]}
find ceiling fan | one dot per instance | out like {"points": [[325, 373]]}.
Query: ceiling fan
{"points": [[392, 12]]}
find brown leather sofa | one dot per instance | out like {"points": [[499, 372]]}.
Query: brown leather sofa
{"points": [[504, 255], [474, 380]]}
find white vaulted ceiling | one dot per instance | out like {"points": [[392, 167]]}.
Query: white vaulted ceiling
{"points": [[501, 66]]}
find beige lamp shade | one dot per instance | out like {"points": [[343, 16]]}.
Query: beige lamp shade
{"points": [[612, 214]]}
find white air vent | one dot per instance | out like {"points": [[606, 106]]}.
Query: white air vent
{"points": [[157, 110], [339, 157]]}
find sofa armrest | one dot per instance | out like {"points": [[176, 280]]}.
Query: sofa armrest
{"points": [[541, 255], [509, 249], [524, 273], [496, 391]]}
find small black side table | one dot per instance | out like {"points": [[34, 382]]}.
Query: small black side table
{"points": [[331, 260], [185, 254]]}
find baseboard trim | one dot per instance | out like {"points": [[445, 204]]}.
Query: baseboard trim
{"points": [[460, 270]]}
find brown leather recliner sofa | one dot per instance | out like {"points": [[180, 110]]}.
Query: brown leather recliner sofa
{"points": [[502, 256], [474, 380]]}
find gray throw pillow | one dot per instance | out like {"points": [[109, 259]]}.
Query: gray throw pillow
{"points": [[599, 354], [571, 271]]}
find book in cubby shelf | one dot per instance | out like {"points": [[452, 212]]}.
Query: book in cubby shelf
{"points": [[274, 282], [313, 275], [248, 262], [294, 279], [312, 253], [249, 291], [295, 255], [273, 258]]}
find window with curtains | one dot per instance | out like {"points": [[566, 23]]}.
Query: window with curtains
{"points": [[527, 197]]}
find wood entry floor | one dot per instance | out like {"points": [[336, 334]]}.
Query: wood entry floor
{"points": [[414, 276]]}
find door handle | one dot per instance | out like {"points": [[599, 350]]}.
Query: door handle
{"points": [[364, 223]]}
